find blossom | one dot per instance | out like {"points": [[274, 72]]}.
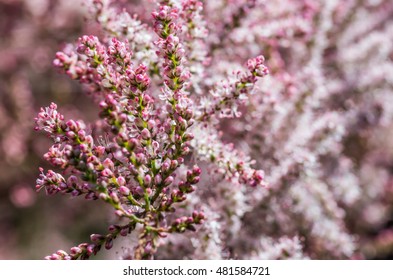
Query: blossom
{"points": [[271, 126]]}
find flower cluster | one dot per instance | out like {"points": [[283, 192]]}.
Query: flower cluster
{"points": [[204, 142], [227, 94], [136, 172]]}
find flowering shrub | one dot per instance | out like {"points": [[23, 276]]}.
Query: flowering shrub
{"points": [[202, 152]]}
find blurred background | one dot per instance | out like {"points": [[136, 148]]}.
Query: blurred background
{"points": [[31, 225]]}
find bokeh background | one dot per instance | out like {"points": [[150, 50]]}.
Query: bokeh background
{"points": [[33, 225]]}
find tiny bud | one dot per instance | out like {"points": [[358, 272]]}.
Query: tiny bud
{"points": [[190, 175], [145, 134], [188, 137], [177, 222], [61, 253], [124, 232], [113, 228], [139, 123], [196, 170], [75, 251], [188, 114], [182, 186], [106, 172], [114, 197], [183, 123], [75, 193], [109, 243], [259, 175], [140, 158], [124, 190], [139, 78], [103, 196], [149, 191], [91, 249], [71, 125], [119, 213], [155, 145], [82, 135], [168, 181], [72, 181], [195, 180], [90, 196], [121, 181], [161, 15], [165, 166], [108, 163], [53, 257], [97, 238], [151, 124], [71, 134], [157, 179], [133, 143], [185, 150], [174, 164], [147, 180]]}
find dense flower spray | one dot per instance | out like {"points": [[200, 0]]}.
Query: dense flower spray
{"points": [[143, 169], [246, 158]]}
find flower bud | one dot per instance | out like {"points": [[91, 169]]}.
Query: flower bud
{"points": [[140, 158], [109, 243], [157, 179], [147, 180], [90, 196], [114, 197], [121, 181], [124, 232], [151, 124], [196, 170], [96, 238], [75, 251], [145, 134], [108, 163], [113, 228], [91, 249], [168, 181], [133, 143], [124, 190], [103, 196], [188, 137], [149, 191], [106, 172], [119, 213], [166, 165]]}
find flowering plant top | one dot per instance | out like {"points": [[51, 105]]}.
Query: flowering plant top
{"points": [[146, 81]]}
